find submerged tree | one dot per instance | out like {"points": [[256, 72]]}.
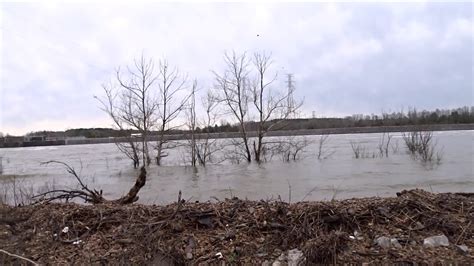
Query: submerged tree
{"points": [[323, 152], [191, 112], [130, 147], [202, 146], [273, 108], [206, 145], [144, 100], [233, 91], [421, 146], [173, 97], [131, 103], [247, 81]]}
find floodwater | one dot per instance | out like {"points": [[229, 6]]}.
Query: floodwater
{"points": [[340, 176]]}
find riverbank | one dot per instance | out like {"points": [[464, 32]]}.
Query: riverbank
{"points": [[282, 133], [17, 142], [372, 230]]}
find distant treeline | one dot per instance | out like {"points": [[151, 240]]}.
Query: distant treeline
{"points": [[464, 115]]}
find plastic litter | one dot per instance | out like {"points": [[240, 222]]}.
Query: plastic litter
{"points": [[358, 235], [394, 243], [387, 242], [463, 249], [436, 241], [295, 257]]}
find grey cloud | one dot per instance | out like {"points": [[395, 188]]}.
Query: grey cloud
{"points": [[346, 58]]}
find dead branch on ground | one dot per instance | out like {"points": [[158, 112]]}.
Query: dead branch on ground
{"points": [[89, 195], [18, 257]]}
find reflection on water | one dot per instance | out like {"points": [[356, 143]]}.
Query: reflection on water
{"points": [[103, 167]]}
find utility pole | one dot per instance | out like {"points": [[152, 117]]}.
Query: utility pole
{"points": [[290, 99]]}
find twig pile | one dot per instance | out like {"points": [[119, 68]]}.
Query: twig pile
{"points": [[245, 232]]}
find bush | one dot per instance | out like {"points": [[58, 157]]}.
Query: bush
{"points": [[421, 145]]}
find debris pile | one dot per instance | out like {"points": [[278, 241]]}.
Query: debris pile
{"points": [[414, 227]]}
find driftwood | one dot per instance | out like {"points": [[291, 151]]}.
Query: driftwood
{"points": [[132, 194], [90, 195]]}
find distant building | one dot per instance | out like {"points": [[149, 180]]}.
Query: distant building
{"points": [[75, 140], [34, 138], [9, 141]]}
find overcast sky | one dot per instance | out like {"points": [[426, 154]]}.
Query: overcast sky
{"points": [[346, 58]]}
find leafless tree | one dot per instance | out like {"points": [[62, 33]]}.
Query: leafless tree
{"points": [[359, 150], [172, 100], [395, 147], [247, 81], [130, 147], [384, 144], [421, 145], [292, 148], [191, 113], [272, 108], [235, 154], [206, 146], [233, 91], [131, 104], [323, 152]]}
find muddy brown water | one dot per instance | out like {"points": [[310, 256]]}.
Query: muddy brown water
{"points": [[340, 176]]}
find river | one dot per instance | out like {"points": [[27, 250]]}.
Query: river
{"points": [[339, 176]]}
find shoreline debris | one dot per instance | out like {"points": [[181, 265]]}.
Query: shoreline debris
{"points": [[235, 231]]}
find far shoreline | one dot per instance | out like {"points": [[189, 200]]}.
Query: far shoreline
{"points": [[279, 133]]}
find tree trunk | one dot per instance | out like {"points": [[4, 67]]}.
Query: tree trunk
{"points": [[132, 195]]}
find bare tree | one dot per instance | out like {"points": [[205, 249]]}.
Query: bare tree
{"points": [[395, 147], [384, 144], [323, 152], [359, 150], [131, 146], [234, 91], [191, 113], [206, 145], [272, 108], [421, 145], [292, 148], [172, 85], [131, 104], [201, 145]]}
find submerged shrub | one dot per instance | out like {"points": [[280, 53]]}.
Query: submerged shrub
{"points": [[421, 146]]}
